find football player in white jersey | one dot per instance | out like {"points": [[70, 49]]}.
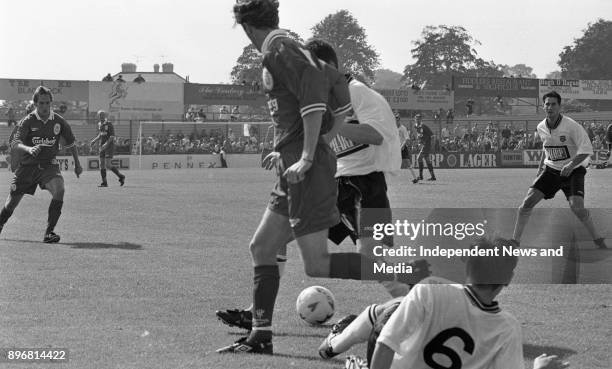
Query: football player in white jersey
{"points": [[567, 151], [440, 324]]}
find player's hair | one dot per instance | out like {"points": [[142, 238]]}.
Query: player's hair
{"points": [[257, 13], [30, 108], [41, 90], [491, 271], [323, 50], [552, 94]]}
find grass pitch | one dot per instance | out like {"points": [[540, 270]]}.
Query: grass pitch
{"points": [[141, 269]]}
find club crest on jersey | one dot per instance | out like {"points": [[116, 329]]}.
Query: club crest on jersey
{"points": [[56, 129], [562, 138], [266, 77]]}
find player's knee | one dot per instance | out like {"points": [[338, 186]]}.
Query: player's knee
{"points": [[58, 193], [580, 212], [261, 254]]}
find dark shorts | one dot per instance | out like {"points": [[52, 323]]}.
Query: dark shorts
{"points": [[362, 202], [549, 182], [425, 151], [26, 178], [311, 203], [108, 153], [406, 153]]}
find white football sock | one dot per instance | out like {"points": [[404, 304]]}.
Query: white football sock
{"points": [[356, 332]]}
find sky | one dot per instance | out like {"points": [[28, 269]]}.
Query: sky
{"points": [[85, 40]]}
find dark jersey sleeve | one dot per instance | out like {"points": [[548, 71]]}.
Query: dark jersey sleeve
{"points": [[340, 100], [301, 74], [427, 133], [20, 132], [67, 134]]}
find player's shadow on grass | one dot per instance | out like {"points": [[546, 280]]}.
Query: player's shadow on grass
{"points": [[103, 245], [533, 351]]}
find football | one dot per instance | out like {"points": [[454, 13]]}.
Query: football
{"points": [[315, 305]]}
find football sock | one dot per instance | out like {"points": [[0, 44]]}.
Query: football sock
{"points": [[116, 171], [55, 210], [421, 168], [356, 332], [352, 265], [430, 168], [281, 261], [265, 289], [5, 214], [103, 174]]}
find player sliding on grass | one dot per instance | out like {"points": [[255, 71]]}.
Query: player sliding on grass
{"points": [[37, 140], [440, 324], [567, 150], [305, 98]]}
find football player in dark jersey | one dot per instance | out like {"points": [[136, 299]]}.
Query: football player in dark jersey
{"points": [[37, 139], [106, 136], [306, 99], [424, 134]]}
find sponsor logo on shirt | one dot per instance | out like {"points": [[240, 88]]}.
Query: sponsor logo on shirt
{"points": [[342, 146], [556, 153]]}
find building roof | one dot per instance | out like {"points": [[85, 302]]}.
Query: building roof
{"points": [[161, 77]]}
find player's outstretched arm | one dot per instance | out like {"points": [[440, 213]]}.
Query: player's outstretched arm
{"points": [[95, 139], [362, 133], [77, 164]]}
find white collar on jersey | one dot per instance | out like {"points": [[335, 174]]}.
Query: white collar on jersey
{"points": [[51, 115], [271, 37]]}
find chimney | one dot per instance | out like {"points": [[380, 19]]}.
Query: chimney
{"points": [[156, 68], [167, 68], [128, 68]]}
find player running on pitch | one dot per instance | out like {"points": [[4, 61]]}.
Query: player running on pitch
{"points": [[106, 136], [567, 151], [37, 139]]}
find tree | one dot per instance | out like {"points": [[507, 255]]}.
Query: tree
{"points": [[387, 79], [556, 74], [518, 70], [591, 55], [248, 65], [442, 52], [349, 40]]}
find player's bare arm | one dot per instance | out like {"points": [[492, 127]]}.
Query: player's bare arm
{"points": [[96, 139], [383, 357], [312, 128], [77, 164], [362, 134], [336, 128], [569, 167]]}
